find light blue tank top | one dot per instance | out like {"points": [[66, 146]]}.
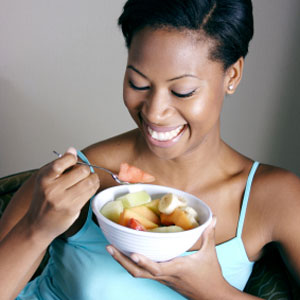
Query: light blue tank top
{"points": [[80, 268]]}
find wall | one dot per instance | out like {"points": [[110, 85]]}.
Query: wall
{"points": [[61, 71]]}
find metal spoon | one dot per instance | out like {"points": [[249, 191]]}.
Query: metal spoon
{"points": [[113, 175]]}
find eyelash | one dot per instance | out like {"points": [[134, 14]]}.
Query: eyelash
{"points": [[184, 95], [144, 88]]}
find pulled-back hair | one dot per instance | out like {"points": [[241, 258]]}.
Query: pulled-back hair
{"points": [[228, 23]]}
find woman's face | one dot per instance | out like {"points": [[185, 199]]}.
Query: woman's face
{"points": [[173, 91]]}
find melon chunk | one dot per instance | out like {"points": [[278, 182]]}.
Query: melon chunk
{"points": [[146, 212], [167, 229], [128, 213], [153, 205], [112, 210], [134, 199], [179, 218]]}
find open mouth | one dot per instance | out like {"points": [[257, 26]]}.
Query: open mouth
{"points": [[164, 136]]}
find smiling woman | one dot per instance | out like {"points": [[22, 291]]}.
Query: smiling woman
{"points": [[176, 97], [184, 57]]}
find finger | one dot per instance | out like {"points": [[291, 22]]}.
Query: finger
{"points": [[152, 267], [160, 270], [128, 264], [83, 190], [73, 176], [72, 150], [155, 268], [58, 166]]}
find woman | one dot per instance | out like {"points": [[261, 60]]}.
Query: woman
{"points": [[183, 58]]}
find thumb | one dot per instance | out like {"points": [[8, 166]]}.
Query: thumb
{"points": [[209, 234]]}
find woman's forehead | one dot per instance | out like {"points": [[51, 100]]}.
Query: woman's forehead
{"points": [[169, 50]]}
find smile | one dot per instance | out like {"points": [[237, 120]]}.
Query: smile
{"points": [[164, 136]]}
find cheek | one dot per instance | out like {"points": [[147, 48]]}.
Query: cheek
{"points": [[133, 102], [128, 97], [205, 110]]}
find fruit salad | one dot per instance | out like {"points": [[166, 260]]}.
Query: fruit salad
{"points": [[138, 211]]}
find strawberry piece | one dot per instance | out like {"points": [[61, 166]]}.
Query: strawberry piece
{"points": [[135, 224], [133, 174]]}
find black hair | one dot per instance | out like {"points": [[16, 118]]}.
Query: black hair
{"points": [[228, 23]]}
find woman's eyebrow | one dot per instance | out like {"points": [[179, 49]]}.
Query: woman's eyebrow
{"points": [[182, 76], [172, 79], [137, 71]]}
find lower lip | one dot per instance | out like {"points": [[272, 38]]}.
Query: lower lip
{"points": [[163, 144]]}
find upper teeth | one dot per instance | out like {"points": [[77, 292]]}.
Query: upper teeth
{"points": [[164, 136]]}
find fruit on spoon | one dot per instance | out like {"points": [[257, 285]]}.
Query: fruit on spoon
{"points": [[133, 174]]}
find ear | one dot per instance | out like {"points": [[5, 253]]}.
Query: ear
{"points": [[234, 76]]}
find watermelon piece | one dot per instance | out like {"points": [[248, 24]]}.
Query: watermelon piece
{"points": [[133, 174], [135, 224]]}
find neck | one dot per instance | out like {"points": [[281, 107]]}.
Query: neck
{"points": [[200, 167]]}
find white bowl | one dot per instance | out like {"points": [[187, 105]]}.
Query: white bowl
{"points": [[154, 245]]}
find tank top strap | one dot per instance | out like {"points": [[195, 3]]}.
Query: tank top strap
{"points": [[246, 198], [84, 159]]}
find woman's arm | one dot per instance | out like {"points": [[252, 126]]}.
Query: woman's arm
{"points": [[285, 214], [14, 212], [45, 207]]}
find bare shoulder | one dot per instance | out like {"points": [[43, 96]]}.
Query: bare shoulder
{"points": [[276, 195], [277, 184], [111, 152]]}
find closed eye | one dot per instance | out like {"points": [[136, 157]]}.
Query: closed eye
{"points": [[138, 88], [184, 95]]}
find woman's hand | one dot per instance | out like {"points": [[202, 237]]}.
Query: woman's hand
{"points": [[61, 190], [196, 276]]}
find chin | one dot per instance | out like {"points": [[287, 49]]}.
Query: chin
{"points": [[169, 153]]}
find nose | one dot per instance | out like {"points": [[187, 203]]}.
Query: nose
{"points": [[157, 107]]}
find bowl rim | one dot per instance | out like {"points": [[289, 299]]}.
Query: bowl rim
{"points": [[201, 227]]}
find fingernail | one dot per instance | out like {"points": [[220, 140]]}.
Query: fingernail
{"points": [[135, 258], [110, 250], [72, 150]]}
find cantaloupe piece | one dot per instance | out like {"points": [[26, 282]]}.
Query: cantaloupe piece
{"points": [[147, 213], [153, 205], [128, 213], [179, 218], [133, 174]]}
